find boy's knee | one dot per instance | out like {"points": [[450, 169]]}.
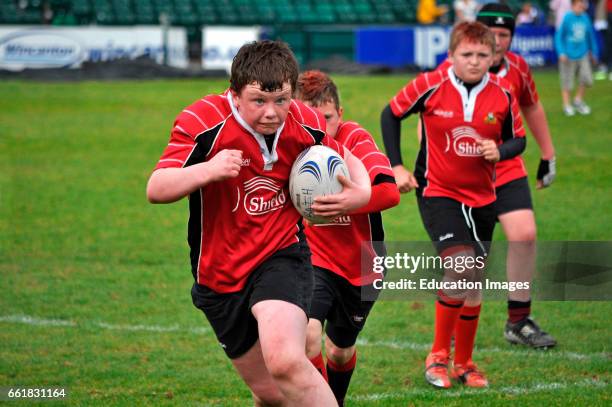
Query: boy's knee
{"points": [[283, 366], [525, 235], [338, 355], [313, 341]]}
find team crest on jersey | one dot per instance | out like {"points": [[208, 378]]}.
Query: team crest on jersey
{"points": [[263, 195], [464, 141], [490, 118]]}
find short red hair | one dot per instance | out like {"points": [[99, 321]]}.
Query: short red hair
{"points": [[471, 31], [317, 88]]}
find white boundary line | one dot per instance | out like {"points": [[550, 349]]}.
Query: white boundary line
{"points": [[551, 354], [29, 320], [520, 351], [515, 390]]}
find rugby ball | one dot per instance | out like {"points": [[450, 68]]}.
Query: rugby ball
{"points": [[315, 173]]}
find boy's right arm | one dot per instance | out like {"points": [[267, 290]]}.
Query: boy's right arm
{"points": [[391, 130], [168, 185]]}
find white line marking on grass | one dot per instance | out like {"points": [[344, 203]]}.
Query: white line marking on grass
{"points": [[28, 320], [515, 390], [24, 319], [553, 353]]}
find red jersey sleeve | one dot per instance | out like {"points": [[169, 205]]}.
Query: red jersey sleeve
{"points": [[384, 196], [189, 124], [408, 97], [513, 125], [361, 144], [307, 116], [529, 94], [517, 121]]}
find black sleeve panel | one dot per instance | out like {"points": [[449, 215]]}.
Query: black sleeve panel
{"points": [[382, 178], [391, 132], [391, 128], [512, 148]]}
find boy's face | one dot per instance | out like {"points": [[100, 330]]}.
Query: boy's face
{"points": [[265, 112], [332, 116], [580, 6], [503, 39], [471, 60]]}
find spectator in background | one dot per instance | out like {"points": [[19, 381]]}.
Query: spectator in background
{"points": [[465, 10], [560, 8], [528, 15], [428, 12], [575, 44]]}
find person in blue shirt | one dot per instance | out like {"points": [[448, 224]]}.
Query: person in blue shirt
{"points": [[576, 46]]}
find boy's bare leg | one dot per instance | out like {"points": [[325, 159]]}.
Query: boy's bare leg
{"points": [[282, 335]]}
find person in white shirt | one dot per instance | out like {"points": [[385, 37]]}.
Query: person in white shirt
{"points": [[465, 10], [560, 7]]}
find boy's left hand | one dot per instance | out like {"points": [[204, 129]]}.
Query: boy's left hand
{"points": [[489, 150]]}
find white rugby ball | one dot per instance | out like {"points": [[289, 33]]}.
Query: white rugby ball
{"points": [[315, 173]]}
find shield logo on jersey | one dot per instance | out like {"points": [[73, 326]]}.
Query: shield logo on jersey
{"points": [[263, 195], [490, 118], [465, 141]]}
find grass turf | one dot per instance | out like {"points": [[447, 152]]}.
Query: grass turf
{"points": [[95, 280]]}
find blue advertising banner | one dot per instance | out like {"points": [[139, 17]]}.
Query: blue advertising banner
{"points": [[426, 47], [389, 46], [536, 44]]}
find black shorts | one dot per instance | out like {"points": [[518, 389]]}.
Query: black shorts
{"points": [[513, 196], [338, 304], [286, 275], [450, 223]]}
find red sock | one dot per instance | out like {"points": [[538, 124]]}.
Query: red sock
{"points": [[466, 334], [518, 310], [318, 363], [447, 312]]}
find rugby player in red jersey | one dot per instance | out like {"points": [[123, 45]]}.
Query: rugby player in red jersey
{"points": [[358, 235], [231, 154], [470, 121], [513, 205]]}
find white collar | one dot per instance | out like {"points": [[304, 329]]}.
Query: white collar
{"points": [[468, 100], [268, 158]]}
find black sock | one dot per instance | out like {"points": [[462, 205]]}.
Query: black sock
{"points": [[339, 377]]}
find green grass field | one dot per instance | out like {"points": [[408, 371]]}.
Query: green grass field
{"points": [[95, 281]]}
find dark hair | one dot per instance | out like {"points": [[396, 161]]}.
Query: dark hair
{"points": [[267, 63], [472, 31], [317, 88], [497, 15]]}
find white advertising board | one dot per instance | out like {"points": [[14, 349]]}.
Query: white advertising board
{"points": [[54, 47], [220, 44]]}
